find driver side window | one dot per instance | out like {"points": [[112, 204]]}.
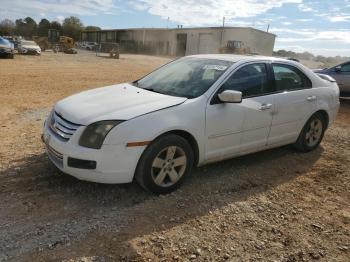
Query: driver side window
{"points": [[251, 80]]}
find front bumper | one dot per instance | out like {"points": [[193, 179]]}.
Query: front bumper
{"points": [[30, 52], [114, 163], [4, 51]]}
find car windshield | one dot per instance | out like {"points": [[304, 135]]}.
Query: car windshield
{"points": [[187, 77], [5, 42], [28, 43]]}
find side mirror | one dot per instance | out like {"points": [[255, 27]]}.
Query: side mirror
{"points": [[230, 96], [338, 69]]}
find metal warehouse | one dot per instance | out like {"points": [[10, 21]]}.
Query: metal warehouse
{"points": [[187, 41]]}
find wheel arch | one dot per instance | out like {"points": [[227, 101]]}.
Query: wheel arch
{"points": [[189, 138], [324, 114]]}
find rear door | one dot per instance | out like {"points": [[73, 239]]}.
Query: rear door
{"points": [[295, 101]]}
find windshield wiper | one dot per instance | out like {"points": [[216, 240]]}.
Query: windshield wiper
{"points": [[153, 90]]}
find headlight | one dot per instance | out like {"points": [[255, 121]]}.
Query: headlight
{"points": [[94, 134]]}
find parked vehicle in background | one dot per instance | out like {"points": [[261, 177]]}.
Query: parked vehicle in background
{"points": [[6, 48], [28, 48], [341, 73], [90, 46], [12, 40], [190, 112]]}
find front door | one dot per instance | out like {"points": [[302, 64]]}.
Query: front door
{"points": [[342, 76], [236, 128]]}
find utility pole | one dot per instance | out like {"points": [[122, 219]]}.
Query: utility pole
{"points": [[222, 30], [268, 28]]}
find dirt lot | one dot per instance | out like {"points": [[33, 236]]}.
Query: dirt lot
{"points": [[277, 205]]}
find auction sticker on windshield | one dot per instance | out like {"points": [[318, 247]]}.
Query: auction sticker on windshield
{"points": [[215, 67]]}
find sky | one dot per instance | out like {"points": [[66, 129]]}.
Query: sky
{"points": [[318, 26]]}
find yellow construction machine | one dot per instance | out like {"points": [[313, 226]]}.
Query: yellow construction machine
{"points": [[234, 47], [56, 42]]}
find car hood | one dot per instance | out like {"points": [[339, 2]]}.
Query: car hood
{"points": [[31, 47], [116, 102]]}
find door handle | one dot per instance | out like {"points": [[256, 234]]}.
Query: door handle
{"points": [[311, 98], [265, 106]]}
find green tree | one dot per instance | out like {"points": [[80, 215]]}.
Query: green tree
{"points": [[7, 27], [72, 26], [31, 26], [92, 28], [56, 25], [43, 27], [26, 27], [20, 27]]}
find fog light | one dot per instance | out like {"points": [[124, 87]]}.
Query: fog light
{"points": [[80, 163]]}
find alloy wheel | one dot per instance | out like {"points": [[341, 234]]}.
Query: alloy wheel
{"points": [[169, 166], [314, 132]]}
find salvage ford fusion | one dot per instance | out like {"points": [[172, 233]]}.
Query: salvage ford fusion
{"points": [[190, 112]]}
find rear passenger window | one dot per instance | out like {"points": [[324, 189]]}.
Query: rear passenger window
{"points": [[251, 80], [289, 78]]}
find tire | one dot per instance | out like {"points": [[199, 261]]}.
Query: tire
{"points": [[165, 164], [312, 133]]}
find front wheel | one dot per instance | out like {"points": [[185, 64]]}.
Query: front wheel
{"points": [[165, 164], [312, 133]]}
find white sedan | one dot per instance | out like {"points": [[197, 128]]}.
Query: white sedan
{"points": [[190, 112], [28, 48]]}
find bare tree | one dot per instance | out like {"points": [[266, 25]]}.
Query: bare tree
{"points": [[7, 27]]}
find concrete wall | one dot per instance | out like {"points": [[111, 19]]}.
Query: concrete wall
{"points": [[257, 41], [199, 40]]}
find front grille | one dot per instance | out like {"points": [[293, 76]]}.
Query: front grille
{"points": [[55, 156], [63, 128]]}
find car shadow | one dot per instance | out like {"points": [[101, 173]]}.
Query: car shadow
{"points": [[49, 196]]}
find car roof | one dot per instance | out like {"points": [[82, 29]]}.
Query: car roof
{"points": [[237, 58]]}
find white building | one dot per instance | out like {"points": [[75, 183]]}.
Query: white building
{"points": [[186, 41]]}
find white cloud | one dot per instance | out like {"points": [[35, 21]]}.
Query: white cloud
{"points": [[338, 36], [60, 18], [339, 18], [305, 8], [303, 20], [302, 32], [20, 8], [207, 12]]}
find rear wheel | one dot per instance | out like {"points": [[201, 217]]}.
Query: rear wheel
{"points": [[165, 164], [312, 133]]}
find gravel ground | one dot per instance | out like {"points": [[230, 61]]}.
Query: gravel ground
{"points": [[277, 205]]}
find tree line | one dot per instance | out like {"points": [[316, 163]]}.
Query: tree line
{"points": [[327, 61], [28, 27]]}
